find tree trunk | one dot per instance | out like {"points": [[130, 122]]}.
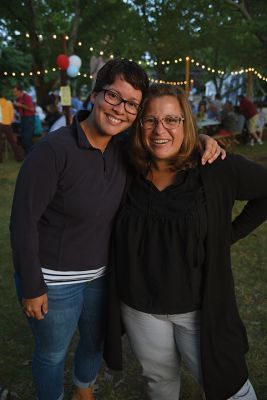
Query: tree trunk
{"points": [[74, 27]]}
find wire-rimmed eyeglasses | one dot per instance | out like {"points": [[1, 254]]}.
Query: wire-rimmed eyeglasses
{"points": [[169, 122], [114, 99]]}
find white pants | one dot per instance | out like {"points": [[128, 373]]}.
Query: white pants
{"points": [[159, 342]]}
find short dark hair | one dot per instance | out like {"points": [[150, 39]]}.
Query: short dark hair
{"points": [[18, 86], [129, 70]]}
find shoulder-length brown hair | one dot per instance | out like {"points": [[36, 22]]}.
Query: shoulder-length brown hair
{"points": [[187, 155]]}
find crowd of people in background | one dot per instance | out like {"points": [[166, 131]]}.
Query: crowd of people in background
{"points": [[244, 117], [23, 121]]}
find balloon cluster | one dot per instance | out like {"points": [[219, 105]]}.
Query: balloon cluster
{"points": [[70, 64]]}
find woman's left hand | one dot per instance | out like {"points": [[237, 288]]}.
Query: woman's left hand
{"points": [[210, 149]]}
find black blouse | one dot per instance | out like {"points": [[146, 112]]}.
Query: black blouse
{"points": [[159, 245]]}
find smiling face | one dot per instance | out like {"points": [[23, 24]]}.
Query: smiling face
{"points": [[107, 120], [160, 142]]}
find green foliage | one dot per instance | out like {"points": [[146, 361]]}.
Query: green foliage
{"points": [[221, 34]]}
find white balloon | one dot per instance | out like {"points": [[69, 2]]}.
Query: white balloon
{"points": [[75, 61]]}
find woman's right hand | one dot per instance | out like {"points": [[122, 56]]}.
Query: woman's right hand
{"points": [[36, 307]]}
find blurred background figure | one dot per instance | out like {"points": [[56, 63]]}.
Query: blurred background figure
{"points": [[260, 124], [214, 108], [232, 122], [54, 119], [202, 111], [87, 104], [76, 104], [250, 112], [40, 112], [25, 107], [39, 118], [6, 132]]}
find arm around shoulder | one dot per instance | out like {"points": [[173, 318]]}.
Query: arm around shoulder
{"points": [[250, 179]]}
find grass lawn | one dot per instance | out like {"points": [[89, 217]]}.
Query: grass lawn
{"points": [[249, 258]]}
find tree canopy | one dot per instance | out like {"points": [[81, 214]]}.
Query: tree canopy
{"points": [[227, 35]]}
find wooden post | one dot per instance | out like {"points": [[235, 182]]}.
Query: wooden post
{"points": [[64, 79], [187, 75], [250, 83]]}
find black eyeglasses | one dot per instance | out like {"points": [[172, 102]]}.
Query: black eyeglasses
{"points": [[169, 122], [114, 99]]}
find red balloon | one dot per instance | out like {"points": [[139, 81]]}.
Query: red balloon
{"points": [[63, 61]]}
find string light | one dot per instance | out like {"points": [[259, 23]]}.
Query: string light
{"points": [[150, 63], [168, 62], [167, 82]]}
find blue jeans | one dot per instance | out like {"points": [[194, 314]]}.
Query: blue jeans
{"points": [[81, 305], [27, 132]]}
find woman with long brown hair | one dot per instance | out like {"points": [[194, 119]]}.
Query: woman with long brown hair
{"points": [[171, 254]]}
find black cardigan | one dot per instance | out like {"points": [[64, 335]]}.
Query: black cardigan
{"points": [[223, 336]]}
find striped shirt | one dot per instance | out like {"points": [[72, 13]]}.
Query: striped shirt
{"points": [[53, 277]]}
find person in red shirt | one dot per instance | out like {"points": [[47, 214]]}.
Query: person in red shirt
{"points": [[25, 107], [250, 112]]}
